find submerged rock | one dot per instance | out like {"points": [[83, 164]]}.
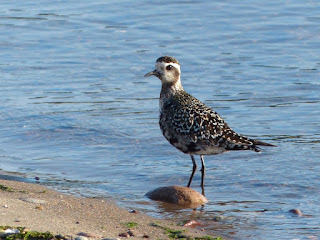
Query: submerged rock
{"points": [[179, 195], [296, 212]]}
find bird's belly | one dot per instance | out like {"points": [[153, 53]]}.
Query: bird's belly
{"points": [[187, 146], [211, 150]]}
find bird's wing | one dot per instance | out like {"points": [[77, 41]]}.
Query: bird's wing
{"points": [[200, 124], [203, 125]]}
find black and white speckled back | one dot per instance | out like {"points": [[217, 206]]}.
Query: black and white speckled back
{"points": [[194, 128]]}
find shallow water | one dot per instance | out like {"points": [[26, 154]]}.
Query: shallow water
{"points": [[77, 112]]}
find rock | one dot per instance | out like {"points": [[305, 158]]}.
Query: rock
{"points": [[134, 211], [81, 238], [179, 195], [132, 233], [39, 207], [192, 224], [11, 231], [296, 212], [124, 234]]}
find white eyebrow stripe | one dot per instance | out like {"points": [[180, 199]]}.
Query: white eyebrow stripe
{"points": [[163, 65], [173, 64]]}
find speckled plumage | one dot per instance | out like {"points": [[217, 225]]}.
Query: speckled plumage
{"points": [[194, 128], [190, 125]]}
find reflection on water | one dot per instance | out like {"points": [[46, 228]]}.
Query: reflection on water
{"points": [[77, 112]]}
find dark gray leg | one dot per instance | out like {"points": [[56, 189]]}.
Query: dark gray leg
{"points": [[203, 170], [193, 169]]}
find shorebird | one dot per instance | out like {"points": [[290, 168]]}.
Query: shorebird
{"points": [[190, 125]]}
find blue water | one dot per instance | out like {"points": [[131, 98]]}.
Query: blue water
{"points": [[77, 112]]}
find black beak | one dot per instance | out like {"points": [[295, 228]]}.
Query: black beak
{"points": [[154, 73]]}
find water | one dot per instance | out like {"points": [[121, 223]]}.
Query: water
{"points": [[77, 112]]}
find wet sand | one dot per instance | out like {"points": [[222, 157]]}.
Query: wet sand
{"points": [[39, 208]]}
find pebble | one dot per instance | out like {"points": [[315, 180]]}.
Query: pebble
{"points": [[81, 238], [192, 224], [11, 231], [132, 233], [39, 207], [125, 234]]}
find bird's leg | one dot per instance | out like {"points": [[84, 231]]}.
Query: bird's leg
{"points": [[203, 170], [193, 169]]}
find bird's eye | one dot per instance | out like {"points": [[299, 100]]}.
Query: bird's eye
{"points": [[169, 67]]}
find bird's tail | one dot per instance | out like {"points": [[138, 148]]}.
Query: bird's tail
{"points": [[257, 142]]}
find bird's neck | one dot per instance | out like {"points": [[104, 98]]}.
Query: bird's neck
{"points": [[170, 89], [168, 92]]}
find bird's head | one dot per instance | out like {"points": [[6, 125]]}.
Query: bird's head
{"points": [[167, 70]]}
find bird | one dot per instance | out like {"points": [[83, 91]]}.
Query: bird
{"points": [[189, 124]]}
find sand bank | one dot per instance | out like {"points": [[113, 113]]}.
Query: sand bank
{"points": [[39, 208]]}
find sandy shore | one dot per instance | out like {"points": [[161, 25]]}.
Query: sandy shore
{"points": [[41, 209]]}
